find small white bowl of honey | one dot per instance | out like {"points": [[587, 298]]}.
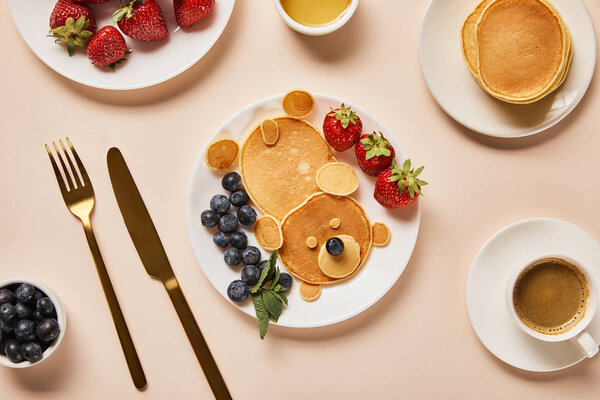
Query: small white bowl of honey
{"points": [[316, 17]]}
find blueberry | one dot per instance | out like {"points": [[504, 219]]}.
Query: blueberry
{"points": [[250, 275], [7, 312], [228, 223], [285, 280], [238, 290], [238, 198], [25, 293], [221, 239], [251, 255], [219, 204], [232, 256], [246, 215], [6, 296], [7, 327], [37, 316], [231, 181], [13, 351], [25, 330], [334, 246], [38, 295], [45, 305], [209, 218], [239, 240], [23, 312], [31, 351], [48, 329]]}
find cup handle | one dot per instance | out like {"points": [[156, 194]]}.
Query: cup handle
{"points": [[586, 344]]}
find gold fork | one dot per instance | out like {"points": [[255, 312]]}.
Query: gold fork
{"points": [[79, 198]]}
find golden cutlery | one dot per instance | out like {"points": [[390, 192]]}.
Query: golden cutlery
{"points": [[153, 256], [79, 198]]}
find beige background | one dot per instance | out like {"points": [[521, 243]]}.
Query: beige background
{"points": [[415, 343]]}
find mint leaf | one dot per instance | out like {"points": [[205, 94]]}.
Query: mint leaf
{"points": [[276, 279], [273, 305], [262, 315], [281, 296], [265, 272]]}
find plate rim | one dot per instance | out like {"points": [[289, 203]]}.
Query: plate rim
{"points": [[196, 170], [522, 133], [179, 71], [470, 283]]}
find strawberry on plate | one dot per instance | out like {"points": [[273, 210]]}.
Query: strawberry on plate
{"points": [[342, 128], [374, 153], [72, 24], [141, 20], [107, 47], [398, 187], [188, 12]]}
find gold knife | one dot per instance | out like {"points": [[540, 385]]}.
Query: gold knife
{"points": [[153, 256]]}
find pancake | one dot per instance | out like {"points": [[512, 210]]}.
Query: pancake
{"points": [[312, 219], [268, 233], [279, 177], [221, 154], [469, 38], [522, 48]]}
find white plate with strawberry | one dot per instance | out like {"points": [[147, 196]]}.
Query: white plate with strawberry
{"points": [[149, 30], [384, 264]]}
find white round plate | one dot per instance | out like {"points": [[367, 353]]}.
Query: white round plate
{"points": [[500, 256], [337, 302], [455, 90], [149, 62]]}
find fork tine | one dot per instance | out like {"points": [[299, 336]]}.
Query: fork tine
{"points": [[73, 170], [84, 175], [64, 167], [59, 178]]}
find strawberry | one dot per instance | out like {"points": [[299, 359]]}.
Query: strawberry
{"points": [[342, 128], [107, 47], [188, 12], [374, 153], [90, 1], [142, 20], [72, 24], [398, 187]]}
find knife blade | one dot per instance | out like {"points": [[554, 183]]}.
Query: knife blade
{"points": [[154, 258]]}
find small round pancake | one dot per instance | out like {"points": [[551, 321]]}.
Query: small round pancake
{"points": [[522, 49], [221, 154], [270, 131], [268, 233], [344, 264], [381, 234], [280, 177], [298, 103], [337, 178], [312, 219], [309, 292], [311, 242]]}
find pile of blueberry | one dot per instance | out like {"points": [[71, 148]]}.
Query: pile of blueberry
{"points": [[28, 323], [233, 241]]}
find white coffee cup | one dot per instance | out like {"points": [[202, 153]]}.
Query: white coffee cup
{"points": [[577, 334]]}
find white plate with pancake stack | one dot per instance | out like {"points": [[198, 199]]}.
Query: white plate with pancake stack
{"points": [[509, 45]]}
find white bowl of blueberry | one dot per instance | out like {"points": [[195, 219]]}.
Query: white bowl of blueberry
{"points": [[32, 323]]}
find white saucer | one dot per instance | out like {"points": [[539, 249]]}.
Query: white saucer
{"points": [[508, 249], [456, 91]]}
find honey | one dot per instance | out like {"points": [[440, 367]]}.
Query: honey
{"points": [[315, 12]]}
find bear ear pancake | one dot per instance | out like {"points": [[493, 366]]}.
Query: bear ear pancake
{"points": [[298, 103], [310, 292], [337, 178], [270, 131], [268, 232], [381, 234], [221, 154]]}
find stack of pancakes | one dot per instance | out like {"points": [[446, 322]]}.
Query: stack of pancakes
{"points": [[519, 51]]}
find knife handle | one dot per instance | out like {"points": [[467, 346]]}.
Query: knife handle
{"points": [[203, 354], [131, 356]]}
